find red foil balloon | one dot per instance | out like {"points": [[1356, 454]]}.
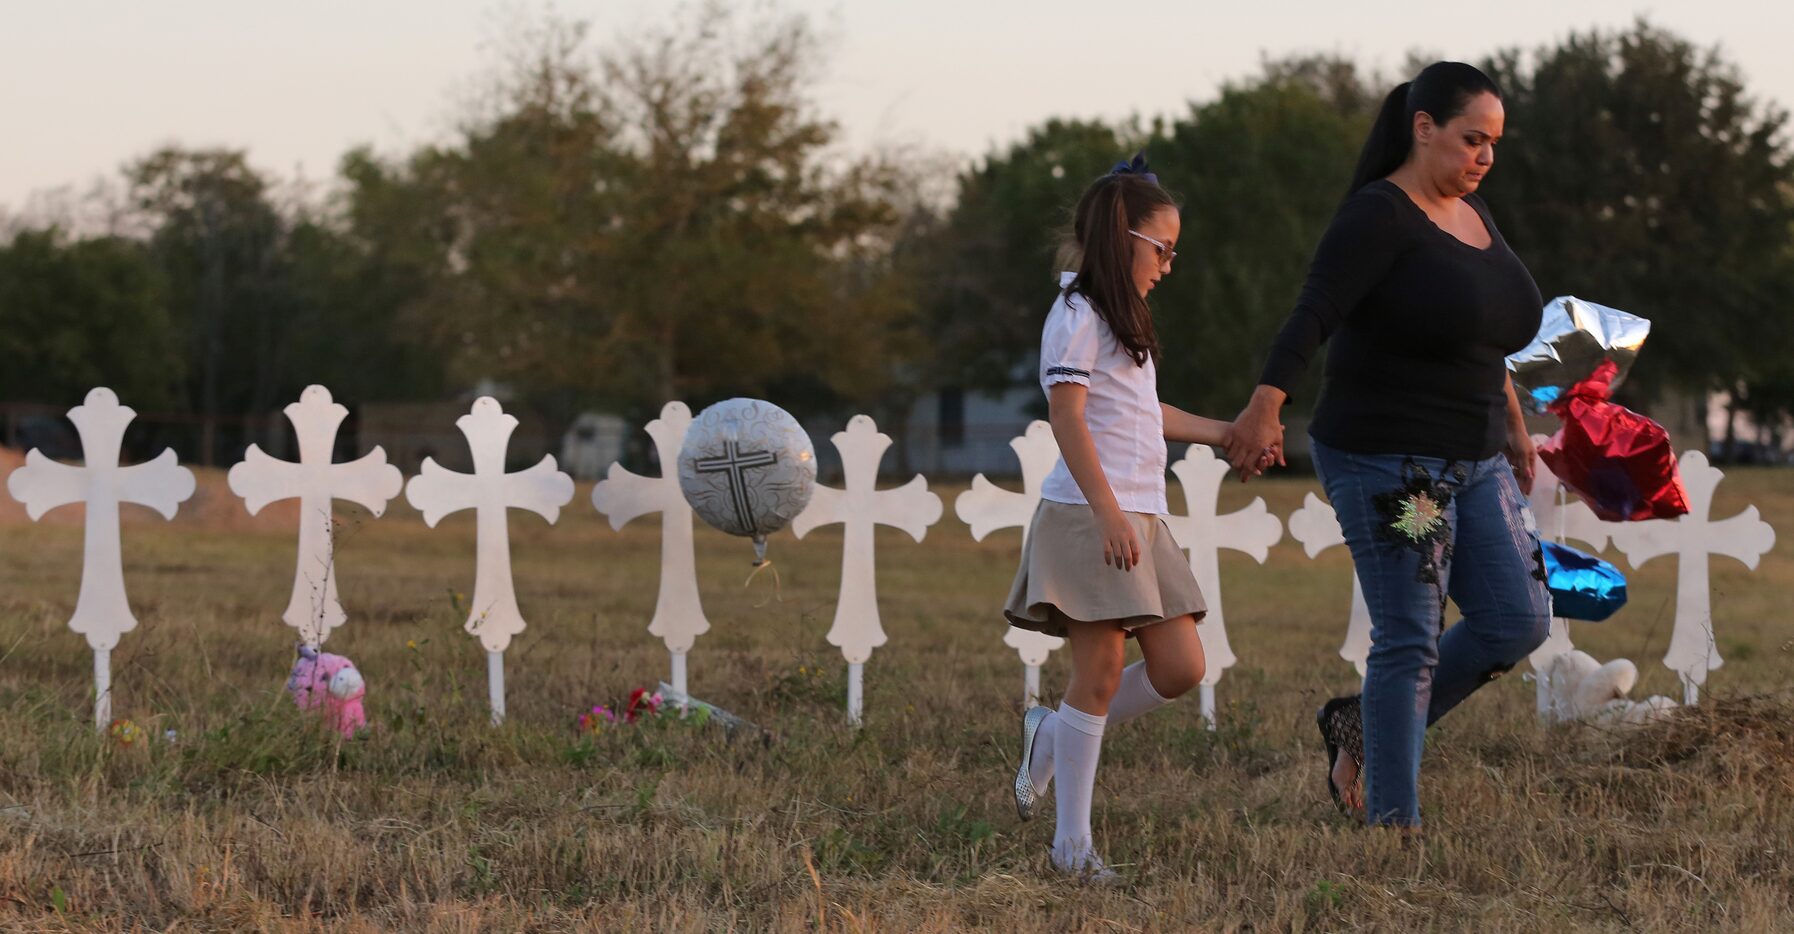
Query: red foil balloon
{"points": [[1617, 460]]}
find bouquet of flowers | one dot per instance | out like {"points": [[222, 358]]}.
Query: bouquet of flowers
{"points": [[642, 705]]}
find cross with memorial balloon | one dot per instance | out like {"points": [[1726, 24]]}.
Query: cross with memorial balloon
{"points": [[622, 496], [747, 468]]}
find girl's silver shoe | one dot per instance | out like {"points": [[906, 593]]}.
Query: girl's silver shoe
{"points": [[1025, 793]]}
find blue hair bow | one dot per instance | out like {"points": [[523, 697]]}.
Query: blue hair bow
{"points": [[1135, 166]]}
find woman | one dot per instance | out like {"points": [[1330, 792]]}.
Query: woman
{"points": [[1423, 300]]}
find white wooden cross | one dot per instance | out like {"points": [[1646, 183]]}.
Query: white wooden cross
{"points": [[102, 612], [1691, 538], [1316, 526], [437, 491], [859, 508], [313, 608], [1558, 515], [987, 507], [1203, 534], [622, 496]]}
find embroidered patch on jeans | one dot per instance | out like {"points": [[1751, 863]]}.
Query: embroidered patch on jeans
{"points": [[1420, 517], [1414, 516]]}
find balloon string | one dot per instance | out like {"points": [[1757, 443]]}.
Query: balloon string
{"points": [[777, 585]]}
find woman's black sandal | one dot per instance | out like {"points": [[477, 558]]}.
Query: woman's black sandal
{"points": [[1342, 728]]}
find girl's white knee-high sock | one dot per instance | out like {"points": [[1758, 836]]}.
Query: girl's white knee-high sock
{"points": [[1077, 742], [1134, 697]]}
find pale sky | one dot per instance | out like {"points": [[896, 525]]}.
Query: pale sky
{"points": [[85, 85]]}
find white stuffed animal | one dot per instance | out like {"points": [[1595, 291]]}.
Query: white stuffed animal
{"points": [[1584, 689]]}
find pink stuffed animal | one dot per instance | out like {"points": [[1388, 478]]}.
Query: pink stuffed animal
{"points": [[329, 682]]}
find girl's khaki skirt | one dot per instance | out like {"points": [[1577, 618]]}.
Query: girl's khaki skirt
{"points": [[1062, 574]]}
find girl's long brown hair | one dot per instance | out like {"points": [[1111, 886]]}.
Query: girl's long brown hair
{"points": [[1103, 252]]}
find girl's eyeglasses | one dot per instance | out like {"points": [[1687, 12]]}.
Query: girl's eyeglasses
{"points": [[1166, 254]]}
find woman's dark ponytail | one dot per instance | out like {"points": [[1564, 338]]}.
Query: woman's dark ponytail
{"points": [[1391, 136], [1442, 89]]}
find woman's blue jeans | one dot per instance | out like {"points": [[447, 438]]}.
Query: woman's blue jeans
{"points": [[1422, 529]]}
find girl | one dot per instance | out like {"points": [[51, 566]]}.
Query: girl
{"points": [[1099, 564]]}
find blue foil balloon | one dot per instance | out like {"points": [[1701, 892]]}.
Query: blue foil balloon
{"points": [[1582, 586]]}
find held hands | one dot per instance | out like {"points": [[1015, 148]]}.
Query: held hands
{"points": [[1255, 441]]}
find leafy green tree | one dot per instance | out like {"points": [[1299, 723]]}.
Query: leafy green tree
{"points": [[89, 313], [666, 220], [346, 329], [986, 270], [267, 300], [218, 241], [1638, 172], [1259, 171]]}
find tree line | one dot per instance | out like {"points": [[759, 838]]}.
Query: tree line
{"points": [[671, 216]]}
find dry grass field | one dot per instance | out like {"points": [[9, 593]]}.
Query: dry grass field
{"points": [[252, 819]]}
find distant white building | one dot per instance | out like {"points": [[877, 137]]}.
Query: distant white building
{"points": [[591, 444], [1754, 442], [959, 432]]}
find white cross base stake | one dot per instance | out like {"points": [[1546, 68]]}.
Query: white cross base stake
{"points": [[314, 608], [102, 611], [987, 507], [623, 496], [1691, 538], [1203, 534], [859, 508], [437, 491]]}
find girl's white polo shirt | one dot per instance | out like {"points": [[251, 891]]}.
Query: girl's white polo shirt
{"points": [[1122, 408]]}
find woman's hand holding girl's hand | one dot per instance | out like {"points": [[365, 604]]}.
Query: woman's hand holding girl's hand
{"points": [[1121, 544], [1270, 458], [1256, 440]]}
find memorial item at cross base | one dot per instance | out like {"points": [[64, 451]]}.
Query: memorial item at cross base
{"points": [[1575, 338], [1584, 689], [126, 731], [1582, 586], [1618, 461], [747, 468], [329, 684]]}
